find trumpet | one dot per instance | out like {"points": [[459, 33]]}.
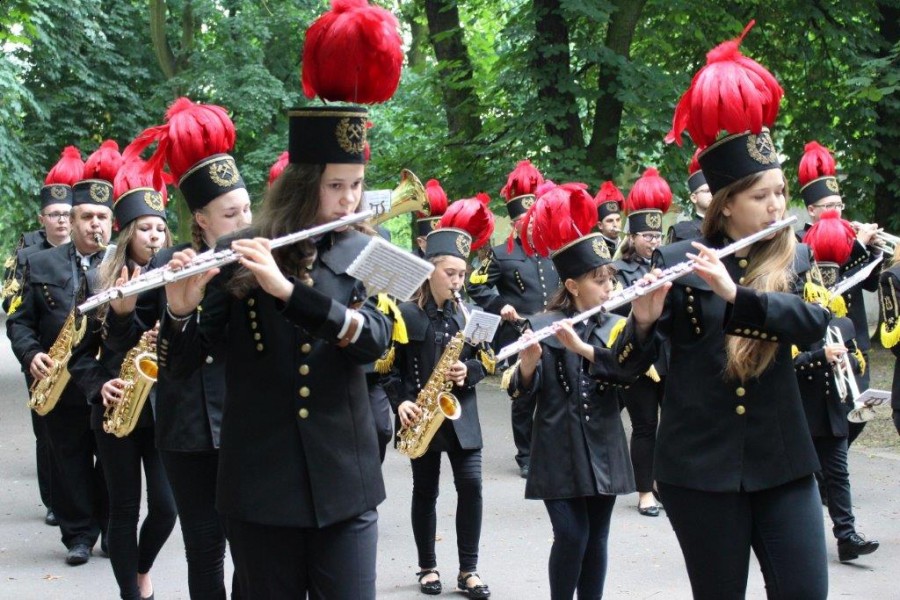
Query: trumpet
{"points": [[843, 370], [633, 292], [203, 262], [408, 196], [885, 241]]}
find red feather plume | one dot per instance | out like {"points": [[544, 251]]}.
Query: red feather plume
{"points": [[650, 191], [694, 165], [731, 93], [524, 179], [831, 238], [437, 200], [134, 174], [352, 53], [817, 162], [68, 170], [560, 216], [104, 163], [471, 215], [609, 191], [277, 167]]}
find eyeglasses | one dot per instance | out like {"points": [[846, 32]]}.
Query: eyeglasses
{"points": [[831, 206], [59, 216], [651, 237]]}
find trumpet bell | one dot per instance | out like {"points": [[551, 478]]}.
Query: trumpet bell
{"points": [[407, 197], [863, 414], [449, 406]]}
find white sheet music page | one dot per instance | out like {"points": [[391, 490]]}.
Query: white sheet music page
{"points": [[387, 269], [481, 327], [377, 200], [872, 397]]}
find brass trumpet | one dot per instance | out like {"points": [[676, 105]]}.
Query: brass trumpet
{"points": [[885, 241], [408, 196]]}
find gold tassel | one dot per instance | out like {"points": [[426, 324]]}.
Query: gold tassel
{"points": [[862, 361], [506, 379], [10, 288], [389, 307], [487, 359], [480, 276], [838, 306], [615, 331], [815, 293], [10, 262], [890, 335], [384, 364], [795, 351], [14, 305], [653, 374]]}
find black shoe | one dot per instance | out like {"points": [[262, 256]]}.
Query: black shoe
{"points": [[431, 588], [476, 591], [854, 547], [51, 519], [78, 555], [649, 511], [523, 471]]}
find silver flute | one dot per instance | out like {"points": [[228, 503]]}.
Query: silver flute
{"points": [[203, 262], [638, 289]]}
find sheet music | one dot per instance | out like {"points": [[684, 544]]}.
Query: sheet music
{"points": [[387, 269], [377, 200], [481, 327], [873, 398]]}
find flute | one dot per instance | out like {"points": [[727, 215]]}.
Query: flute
{"points": [[203, 262], [632, 292]]}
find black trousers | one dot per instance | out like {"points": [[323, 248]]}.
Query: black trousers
{"points": [[122, 459], [578, 556], [783, 526], [44, 459], [642, 400], [192, 476], [381, 411], [426, 470], [832, 453], [79, 490], [290, 562], [863, 382]]}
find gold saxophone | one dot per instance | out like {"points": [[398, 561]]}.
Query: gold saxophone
{"points": [[139, 370], [435, 400], [47, 392]]}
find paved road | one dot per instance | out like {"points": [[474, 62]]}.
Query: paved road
{"points": [[645, 561]]}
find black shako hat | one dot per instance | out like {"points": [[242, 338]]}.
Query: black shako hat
{"points": [[97, 192], [139, 202], [581, 256], [448, 241], [736, 156], [321, 135], [209, 179]]}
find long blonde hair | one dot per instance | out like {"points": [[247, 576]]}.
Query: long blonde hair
{"points": [[770, 270]]}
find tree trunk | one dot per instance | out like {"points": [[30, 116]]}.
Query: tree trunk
{"points": [[415, 57], [553, 78], [887, 133], [161, 46], [601, 153], [457, 84]]}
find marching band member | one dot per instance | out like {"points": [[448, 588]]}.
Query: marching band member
{"points": [[579, 459], [821, 193], [648, 200], [141, 220], [425, 222], [433, 317], [888, 287], [700, 198], [195, 142], [514, 285], [299, 474], [55, 283], [610, 202], [831, 241], [734, 459]]}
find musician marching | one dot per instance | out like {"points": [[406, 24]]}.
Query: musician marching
{"points": [[700, 198], [610, 201]]}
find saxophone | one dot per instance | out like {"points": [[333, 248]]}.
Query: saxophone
{"points": [[139, 370], [435, 400], [47, 392]]}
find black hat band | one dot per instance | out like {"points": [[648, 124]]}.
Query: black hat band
{"points": [[426, 225], [610, 207], [696, 181], [645, 220], [138, 202], [519, 205], [820, 188], [56, 193], [96, 192], [448, 241], [327, 134], [581, 256], [734, 157], [209, 179]]}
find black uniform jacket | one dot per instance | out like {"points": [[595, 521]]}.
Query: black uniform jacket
{"points": [[578, 444], [889, 292], [524, 282], [628, 272], [429, 332], [188, 410], [49, 294], [727, 436], [298, 447], [29, 244], [685, 230], [826, 411]]}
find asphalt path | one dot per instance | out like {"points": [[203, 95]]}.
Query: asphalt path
{"points": [[645, 561]]}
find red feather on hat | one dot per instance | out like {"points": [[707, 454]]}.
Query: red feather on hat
{"points": [[831, 238], [352, 53], [694, 165], [68, 170], [104, 163], [609, 192], [817, 162], [524, 179], [134, 174], [560, 216], [437, 200], [649, 192], [471, 215], [278, 166], [732, 92]]}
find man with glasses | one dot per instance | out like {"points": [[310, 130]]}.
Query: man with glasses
{"points": [[700, 198]]}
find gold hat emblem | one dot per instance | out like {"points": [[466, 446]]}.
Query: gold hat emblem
{"points": [[463, 244], [611, 206], [600, 248], [351, 135], [99, 192], [761, 149], [58, 192], [224, 173], [829, 275], [154, 201], [832, 185], [654, 220], [527, 202]]}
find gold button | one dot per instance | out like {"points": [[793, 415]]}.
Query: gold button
{"points": [[688, 290], [739, 409], [259, 347], [690, 309], [742, 263], [304, 369], [756, 332], [304, 392], [741, 281], [774, 338], [209, 360], [305, 348], [252, 314], [257, 336], [303, 413], [764, 335], [740, 392], [697, 330], [253, 325], [251, 301], [690, 298]]}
